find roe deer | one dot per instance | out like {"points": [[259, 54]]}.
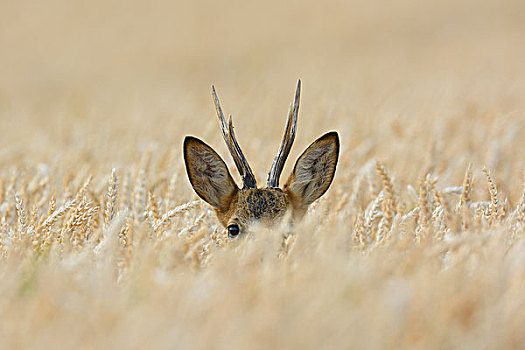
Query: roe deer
{"points": [[237, 208]]}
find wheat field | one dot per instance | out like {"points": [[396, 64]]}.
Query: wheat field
{"points": [[418, 244]]}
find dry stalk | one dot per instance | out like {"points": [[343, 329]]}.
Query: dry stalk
{"points": [[111, 199], [74, 220], [374, 216], [219, 236], [126, 193], [45, 228], [176, 212], [33, 215], [77, 227], [388, 204], [439, 214], [87, 223], [83, 189], [494, 208], [125, 240], [152, 211], [52, 206], [520, 209], [21, 212], [140, 195], [423, 211], [360, 236], [463, 206]]}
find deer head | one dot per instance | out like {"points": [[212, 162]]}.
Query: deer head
{"points": [[237, 208]]}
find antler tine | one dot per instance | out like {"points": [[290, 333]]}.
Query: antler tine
{"points": [[228, 134], [287, 142], [246, 173]]}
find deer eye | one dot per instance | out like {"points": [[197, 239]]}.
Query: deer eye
{"points": [[233, 230]]}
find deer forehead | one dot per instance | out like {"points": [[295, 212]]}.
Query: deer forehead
{"points": [[260, 204]]}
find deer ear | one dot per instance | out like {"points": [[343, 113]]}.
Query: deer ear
{"points": [[314, 170], [208, 174]]}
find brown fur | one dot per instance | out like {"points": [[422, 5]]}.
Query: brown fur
{"points": [[312, 175], [266, 205]]}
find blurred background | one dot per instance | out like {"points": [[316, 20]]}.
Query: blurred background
{"points": [[425, 87], [123, 75]]}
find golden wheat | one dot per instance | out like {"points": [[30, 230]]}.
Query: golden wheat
{"points": [[103, 243]]}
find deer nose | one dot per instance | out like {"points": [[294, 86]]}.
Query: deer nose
{"points": [[233, 230]]}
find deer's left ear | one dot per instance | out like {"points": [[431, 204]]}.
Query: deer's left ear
{"points": [[314, 170]]}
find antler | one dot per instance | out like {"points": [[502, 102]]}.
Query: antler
{"points": [[286, 143], [233, 146]]}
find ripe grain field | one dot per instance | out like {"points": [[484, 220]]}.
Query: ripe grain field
{"points": [[419, 242]]}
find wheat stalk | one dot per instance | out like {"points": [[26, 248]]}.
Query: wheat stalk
{"points": [[111, 198], [423, 211], [494, 208], [170, 214], [389, 203], [464, 199], [140, 199], [45, 228]]}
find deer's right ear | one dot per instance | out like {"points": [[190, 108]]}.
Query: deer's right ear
{"points": [[208, 174]]}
